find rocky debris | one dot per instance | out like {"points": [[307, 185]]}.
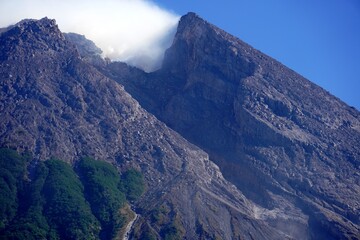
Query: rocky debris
{"points": [[55, 104], [286, 143], [84, 46], [87, 49]]}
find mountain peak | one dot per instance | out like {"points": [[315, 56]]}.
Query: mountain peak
{"points": [[30, 36], [45, 21], [189, 24], [44, 25], [197, 42], [192, 26], [190, 16]]}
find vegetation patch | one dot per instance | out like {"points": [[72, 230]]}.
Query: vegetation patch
{"points": [[101, 181], [60, 202], [133, 184]]}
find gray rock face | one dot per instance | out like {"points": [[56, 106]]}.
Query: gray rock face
{"points": [[287, 144], [85, 46], [54, 104], [87, 49]]}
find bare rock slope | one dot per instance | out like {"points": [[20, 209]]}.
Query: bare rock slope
{"points": [[55, 104], [286, 143]]}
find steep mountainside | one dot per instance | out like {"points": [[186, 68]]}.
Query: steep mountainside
{"points": [[287, 144], [54, 104]]}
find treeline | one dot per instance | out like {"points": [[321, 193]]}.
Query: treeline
{"points": [[61, 201]]}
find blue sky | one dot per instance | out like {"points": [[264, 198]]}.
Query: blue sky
{"points": [[318, 39]]}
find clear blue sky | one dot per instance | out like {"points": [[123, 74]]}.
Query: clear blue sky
{"points": [[320, 39]]}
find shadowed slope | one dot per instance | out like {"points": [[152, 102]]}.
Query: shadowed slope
{"points": [[286, 143]]}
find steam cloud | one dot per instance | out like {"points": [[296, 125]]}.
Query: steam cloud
{"points": [[133, 31]]}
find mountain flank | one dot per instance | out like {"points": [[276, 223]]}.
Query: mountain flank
{"points": [[287, 144], [55, 103]]}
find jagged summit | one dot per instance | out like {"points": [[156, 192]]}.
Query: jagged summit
{"points": [[45, 21], [32, 37], [191, 25], [26, 21], [39, 28], [187, 20]]}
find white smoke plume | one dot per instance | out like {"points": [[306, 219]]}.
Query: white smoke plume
{"points": [[133, 31]]}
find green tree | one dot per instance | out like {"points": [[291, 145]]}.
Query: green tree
{"points": [[56, 203], [12, 172], [133, 184], [171, 232], [66, 208], [101, 181], [30, 222]]}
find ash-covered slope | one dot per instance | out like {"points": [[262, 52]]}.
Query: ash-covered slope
{"points": [[286, 143], [54, 104]]}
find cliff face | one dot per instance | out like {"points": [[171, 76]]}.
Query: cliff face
{"points": [[54, 103], [287, 144]]}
